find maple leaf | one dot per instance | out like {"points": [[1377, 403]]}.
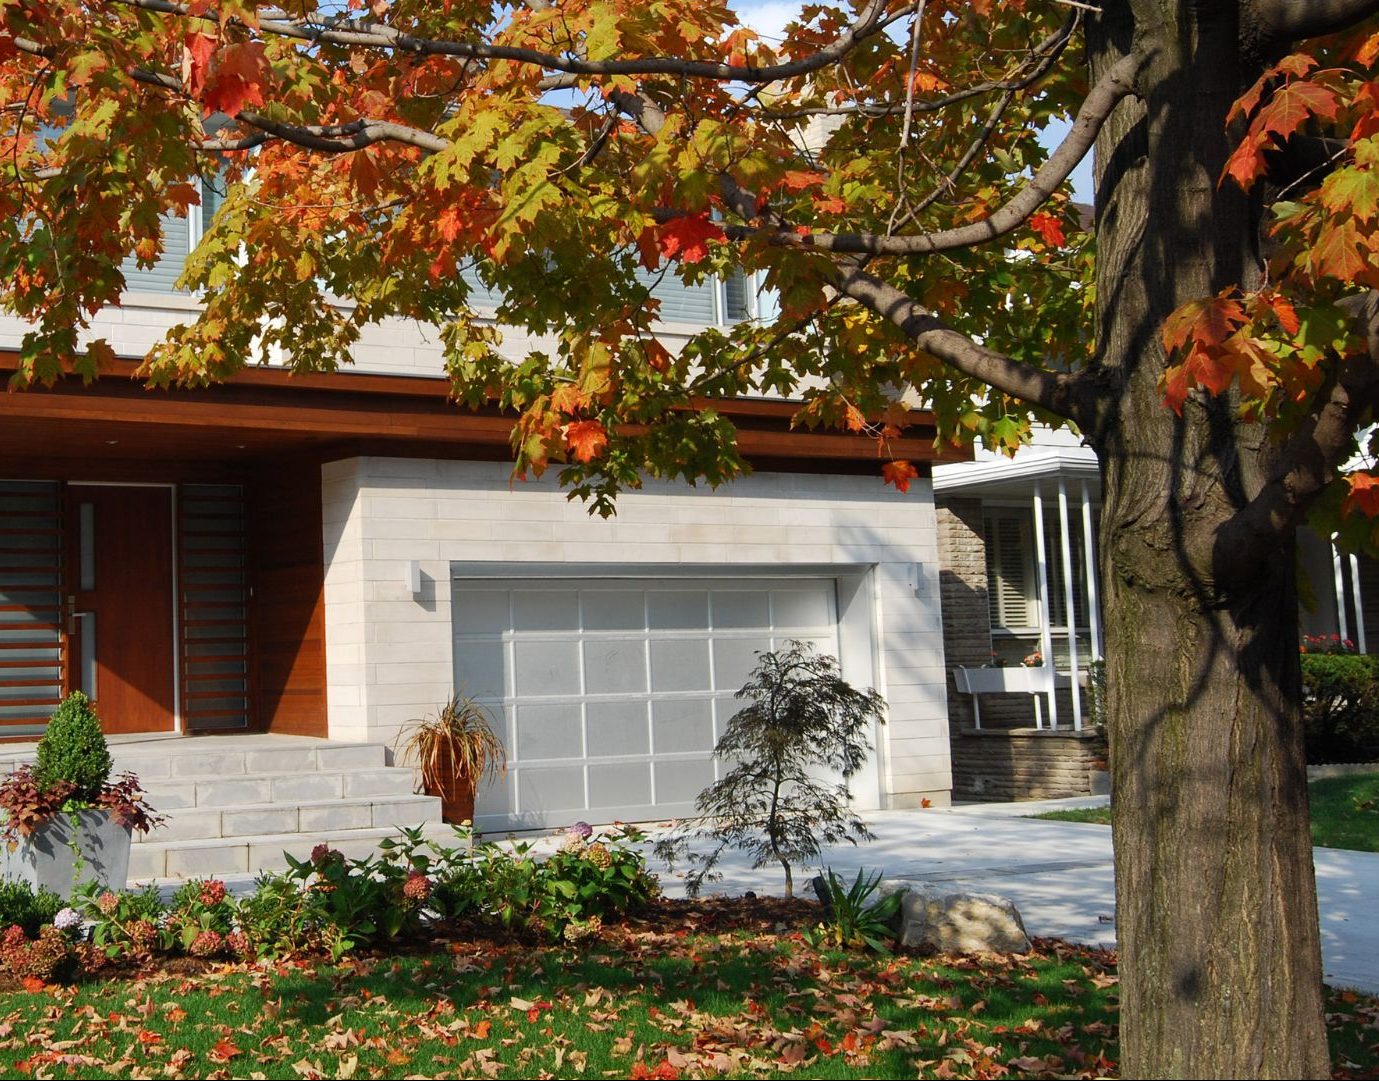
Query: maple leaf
{"points": [[657, 355], [853, 418], [197, 49], [1363, 495], [223, 1051], [1246, 163], [1293, 105], [899, 473], [1209, 320], [688, 237], [236, 79], [799, 179], [831, 204], [586, 439], [1049, 227], [1285, 313]]}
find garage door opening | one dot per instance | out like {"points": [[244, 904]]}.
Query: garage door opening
{"points": [[611, 693]]}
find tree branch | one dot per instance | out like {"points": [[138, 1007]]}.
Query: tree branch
{"points": [[1116, 84], [1294, 20], [1058, 392], [369, 34], [1310, 459]]}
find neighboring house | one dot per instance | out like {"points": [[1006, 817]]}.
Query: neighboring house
{"points": [[1017, 546], [332, 555]]}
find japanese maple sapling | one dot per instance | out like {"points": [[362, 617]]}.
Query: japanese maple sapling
{"points": [[792, 750]]}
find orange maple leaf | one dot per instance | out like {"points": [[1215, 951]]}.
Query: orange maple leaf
{"points": [[1363, 495], [223, 1051], [236, 79], [688, 237], [799, 179], [1048, 227], [586, 439], [899, 473], [197, 49]]}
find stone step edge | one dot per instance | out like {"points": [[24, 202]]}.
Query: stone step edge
{"points": [[203, 778], [416, 799], [301, 841], [179, 749]]}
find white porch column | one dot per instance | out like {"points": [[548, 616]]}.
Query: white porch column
{"points": [[1359, 610], [1342, 626], [1045, 601], [1069, 596], [1089, 567]]}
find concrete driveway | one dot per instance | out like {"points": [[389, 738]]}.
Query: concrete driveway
{"points": [[1059, 874]]}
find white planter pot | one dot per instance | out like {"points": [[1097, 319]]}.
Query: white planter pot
{"points": [[1003, 680], [71, 848]]}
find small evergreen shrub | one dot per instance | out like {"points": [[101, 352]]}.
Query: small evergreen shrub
{"points": [[21, 907], [73, 750], [1341, 706]]}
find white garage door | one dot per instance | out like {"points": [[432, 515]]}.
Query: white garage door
{"points": [[613, 693]]}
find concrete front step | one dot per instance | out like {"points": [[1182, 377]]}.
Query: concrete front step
{"points": [[203, 756], [303, 816], [174, 793], [263, 852]]}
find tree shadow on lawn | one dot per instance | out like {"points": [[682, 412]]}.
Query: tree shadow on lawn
{"points": [[748, 995]]}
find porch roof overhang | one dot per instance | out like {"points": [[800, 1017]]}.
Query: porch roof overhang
{"points": [[1015, 478], [260, 413]]}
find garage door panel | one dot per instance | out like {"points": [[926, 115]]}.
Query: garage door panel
{"points": [[545, 667], [620, 784], [680, 725], [680, 664], [797, 609], [549, 730], [678, 609], [614, 666], [482, 611], [617, 728], [734, 659], [745, 609], [681, 782], [545, 610], [550, 788], [614, 610], [482, 666]]}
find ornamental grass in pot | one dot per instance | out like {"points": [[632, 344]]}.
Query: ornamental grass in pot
{"points": [[455, 750], [65, 820]]}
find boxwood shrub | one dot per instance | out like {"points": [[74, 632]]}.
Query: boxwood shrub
{"points": [[1341, 706]]}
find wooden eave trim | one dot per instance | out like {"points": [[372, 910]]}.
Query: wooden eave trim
{"points": [[331, 406]]}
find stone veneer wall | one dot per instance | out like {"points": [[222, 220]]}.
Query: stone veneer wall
{"points": [[389, 651], [1006, 759]]}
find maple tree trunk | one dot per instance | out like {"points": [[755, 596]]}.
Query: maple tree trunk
{"points": [[1215, 895]]}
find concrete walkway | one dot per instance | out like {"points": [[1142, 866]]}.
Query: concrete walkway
{"points": [[1059, 874]]}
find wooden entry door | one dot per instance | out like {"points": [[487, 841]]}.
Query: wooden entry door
{"points": [[120, 604]]}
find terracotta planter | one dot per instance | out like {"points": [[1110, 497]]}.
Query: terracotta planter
{"points": [[457, 796]]}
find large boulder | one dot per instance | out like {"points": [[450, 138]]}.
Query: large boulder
{"points": [[943, 920]]}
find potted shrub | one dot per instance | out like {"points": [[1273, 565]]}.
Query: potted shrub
{"points": [[455, 750], [65, 820]]}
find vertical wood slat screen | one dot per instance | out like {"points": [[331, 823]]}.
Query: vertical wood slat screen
{"points": [[31, 588], [214, 587]]}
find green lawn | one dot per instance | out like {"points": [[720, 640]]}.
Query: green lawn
{"points": [[1345, 812], [690, 993]]}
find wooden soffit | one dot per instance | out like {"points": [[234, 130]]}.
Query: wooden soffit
{"points": [[260, 413]]}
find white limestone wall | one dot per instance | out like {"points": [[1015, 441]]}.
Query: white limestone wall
{"points": [[393, 347], [389, 652]]}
